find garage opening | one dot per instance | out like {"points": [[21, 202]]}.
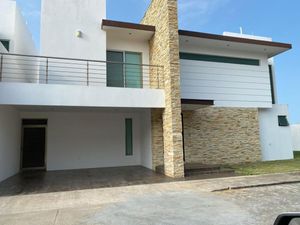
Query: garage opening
{"points": [[33, 144]]}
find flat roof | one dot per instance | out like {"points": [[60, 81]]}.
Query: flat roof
{"points": [[233, 39], [126, 25]]}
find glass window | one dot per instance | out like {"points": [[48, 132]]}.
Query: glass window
{"points": [[5, 43], [115, 69], [283, 121], [128, 137], [133, 70], [124, 69]]}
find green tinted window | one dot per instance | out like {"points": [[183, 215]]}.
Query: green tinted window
{"points": [[219, 59], [5, 43], [283, 121], [128, 137]]}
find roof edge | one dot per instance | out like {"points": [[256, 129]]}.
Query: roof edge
{"points": [[233, 39], [127, 25]]}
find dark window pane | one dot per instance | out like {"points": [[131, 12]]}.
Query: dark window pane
{"points": [[115, 69], [5, 43], [219, 59], [129, 137], [283, 121]]}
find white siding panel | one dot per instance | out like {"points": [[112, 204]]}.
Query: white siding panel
{"points": [[229, 85]]}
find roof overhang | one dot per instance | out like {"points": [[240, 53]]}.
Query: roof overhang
{"points": [[128, 30], [269, 48], [194, 104]]}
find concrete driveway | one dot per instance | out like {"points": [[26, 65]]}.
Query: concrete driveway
{"points": [[185, 202]]}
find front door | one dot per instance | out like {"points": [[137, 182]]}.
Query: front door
{"points": [[33, 148]]}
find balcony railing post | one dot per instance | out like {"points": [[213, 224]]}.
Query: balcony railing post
{"points": [[124, 74], [47, 67], [1, 66], [87, 73]]}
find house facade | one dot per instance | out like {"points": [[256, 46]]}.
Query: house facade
{"points": [[106, 93]]}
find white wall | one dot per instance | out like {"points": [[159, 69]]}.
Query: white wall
{"points": [[146, 146], [61, 19], [276, 141], [230, 85], [77, 140], [10, 139], [24, 43], [122, 44], [74, 95], [296, 136]]}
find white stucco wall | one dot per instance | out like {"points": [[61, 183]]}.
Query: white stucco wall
{"points": [[229, 85], [24, 43], [61, 19], [74, 95], [10, 140], [296, 136], [146, 146], [276, 141], [77, 140]]}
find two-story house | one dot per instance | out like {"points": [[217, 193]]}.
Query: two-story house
{"points": [[105, 93]]}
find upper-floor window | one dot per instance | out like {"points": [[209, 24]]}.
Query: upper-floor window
{"points": [[124, 69], [219, 59], [283, 121], [5, 43]]}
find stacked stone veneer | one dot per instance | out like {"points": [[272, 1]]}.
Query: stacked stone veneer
{"points": [[221, 136], [164, 50]]}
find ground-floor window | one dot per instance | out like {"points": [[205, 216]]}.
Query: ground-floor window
{"points": [[129, 137]]}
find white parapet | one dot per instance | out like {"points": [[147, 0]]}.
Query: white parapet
{"points": [[32, 94]]}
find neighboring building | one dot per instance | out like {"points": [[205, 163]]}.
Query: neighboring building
{"points": [[107, 93], [296, 136], [14, 34]]}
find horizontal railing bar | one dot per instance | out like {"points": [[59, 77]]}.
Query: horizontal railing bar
{"points": [[74, 59], [41, 67], [40, 63], [99, 78], [65, 81], [60, 71]]}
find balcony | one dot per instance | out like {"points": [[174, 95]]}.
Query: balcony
{"points": [[41, 80]]}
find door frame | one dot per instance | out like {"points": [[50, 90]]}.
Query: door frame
{"points": [[22, 144]]}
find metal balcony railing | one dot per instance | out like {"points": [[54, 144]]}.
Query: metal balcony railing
{"points": [[56, 70]]}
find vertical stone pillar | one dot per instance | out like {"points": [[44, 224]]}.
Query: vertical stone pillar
{"points": [[164, 50]]}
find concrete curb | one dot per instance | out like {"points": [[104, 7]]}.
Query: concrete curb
{"points": [[256, 185]]}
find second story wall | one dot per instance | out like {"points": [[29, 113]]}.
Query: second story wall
{"points": [[228, 84], [71, 28]]}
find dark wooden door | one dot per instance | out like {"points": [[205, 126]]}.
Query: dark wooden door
{"points": [[34, 140]]}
